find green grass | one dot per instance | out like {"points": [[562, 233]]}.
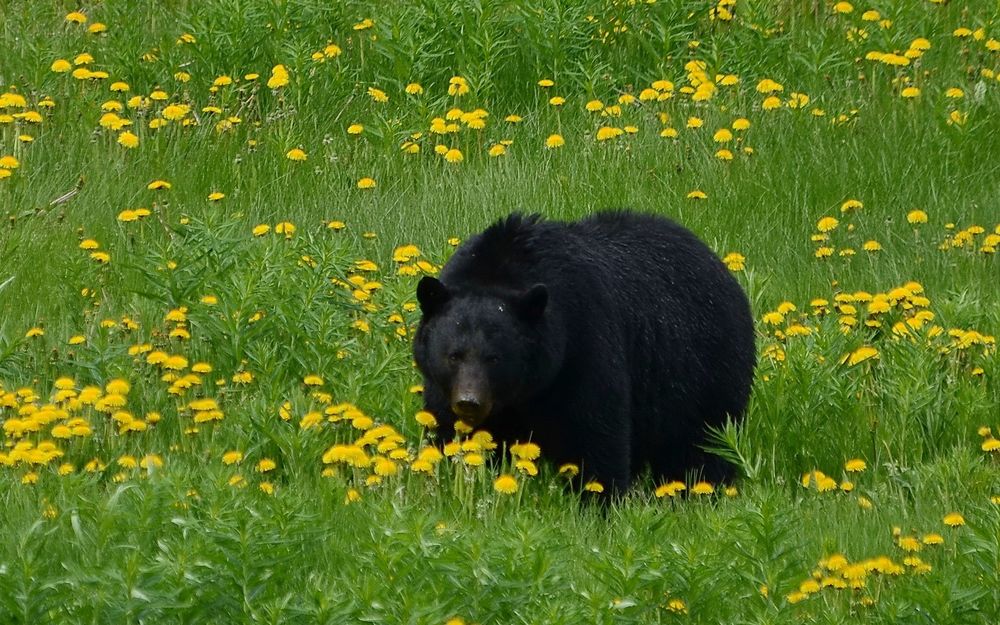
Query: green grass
{"points": [[196, 540]]}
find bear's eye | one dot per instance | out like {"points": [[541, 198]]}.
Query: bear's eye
{"points": [[492, 359], [455, 357]]}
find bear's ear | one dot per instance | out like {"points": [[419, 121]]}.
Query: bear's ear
{"points": [[531, 304], [432, 295]]}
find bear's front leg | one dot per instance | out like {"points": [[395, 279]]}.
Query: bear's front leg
{"points": [[600, 438], [436, 403], [608, 465]]}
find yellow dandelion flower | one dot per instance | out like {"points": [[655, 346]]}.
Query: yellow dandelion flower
{"points": [[279, 77], [128, 140], [910, 544], [861, 354], [769, 86], [827, 224], [771, 103], [702, 488], [384, 467], [723, 135], [422, 466], [915, 217], [953, 519], [734, 261], [678, 606], [773, 318], [555, 141], [505, 484], [569, 470], [474, 459], [286, 228], [525, 451], [426, 419], [296, 154], [670, 489], [850, 205], [366, 183], [457, 86], [527, 467], [741, 124], [958, 118], [176, 112], [855, 465], [605, 133], [232, 457]]}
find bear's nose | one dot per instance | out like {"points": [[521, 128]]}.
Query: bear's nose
{"points": [[470, 408], [467, 407]]}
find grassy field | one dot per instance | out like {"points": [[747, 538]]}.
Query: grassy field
{"points": [[215, 215]]}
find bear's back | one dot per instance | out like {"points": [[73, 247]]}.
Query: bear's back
{"points": [[623, 251]]}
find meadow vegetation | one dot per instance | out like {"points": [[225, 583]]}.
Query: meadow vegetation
{"points": [[215, 215]]}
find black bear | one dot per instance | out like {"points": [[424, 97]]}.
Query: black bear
{"points": [[611, 342]]}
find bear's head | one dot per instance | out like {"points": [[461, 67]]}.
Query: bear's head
{"points": [[485, 349]]}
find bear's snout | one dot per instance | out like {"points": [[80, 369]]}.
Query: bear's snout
{"points": [[470, 394], [471, 408], [470, 400], [468, 408]]}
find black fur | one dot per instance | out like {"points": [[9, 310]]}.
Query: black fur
{"points": [[611, 342]]}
